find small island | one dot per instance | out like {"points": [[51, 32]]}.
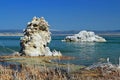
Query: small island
{"points": [[84, 36]]}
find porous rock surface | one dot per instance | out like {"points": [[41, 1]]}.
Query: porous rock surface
{"points": [[84, 36], [36, 38]]}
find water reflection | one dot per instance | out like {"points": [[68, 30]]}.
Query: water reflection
{"points": [[83, 51]]}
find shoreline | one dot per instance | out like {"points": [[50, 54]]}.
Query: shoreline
{"points": [[41, 68], [21, 34], [11, 34]]}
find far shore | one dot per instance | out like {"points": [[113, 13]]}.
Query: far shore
{"points": [[11, 34], [21, 34]]}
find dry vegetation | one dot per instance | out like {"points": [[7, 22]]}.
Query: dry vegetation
{"points": [[42, 68], [32, 73]]}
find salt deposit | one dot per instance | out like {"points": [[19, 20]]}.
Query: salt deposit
{"points": [[36, 38], [84, 36]]}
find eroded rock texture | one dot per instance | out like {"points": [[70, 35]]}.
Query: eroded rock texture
{"points": [[84, 36], [35, 39]]}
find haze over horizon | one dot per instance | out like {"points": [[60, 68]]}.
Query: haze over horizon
{"points": [[62, 14]]}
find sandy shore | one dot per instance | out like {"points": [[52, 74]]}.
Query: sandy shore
{"points": [[21, 34], [11, 34]]}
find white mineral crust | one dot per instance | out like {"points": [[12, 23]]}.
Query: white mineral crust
{"points": [[84, 36], [35, 39]]}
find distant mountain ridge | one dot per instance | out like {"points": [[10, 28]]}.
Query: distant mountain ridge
{"points": [[66, 32], [11, 31], [96, 31]]}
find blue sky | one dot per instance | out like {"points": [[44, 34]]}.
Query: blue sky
{"points": [[62, 14]]}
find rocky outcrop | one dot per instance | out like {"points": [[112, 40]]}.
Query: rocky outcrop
{"points": [[84, 36], [35, 39]]}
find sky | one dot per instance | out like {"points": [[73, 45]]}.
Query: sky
{"points": [[61, 14]]}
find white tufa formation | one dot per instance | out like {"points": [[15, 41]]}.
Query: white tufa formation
{"points": [[84, 36], [35, 39]]}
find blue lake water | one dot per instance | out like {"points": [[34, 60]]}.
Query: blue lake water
{"points": [[85, 53]]}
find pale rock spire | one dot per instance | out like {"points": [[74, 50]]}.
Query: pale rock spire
{"points": [[35, 39]]}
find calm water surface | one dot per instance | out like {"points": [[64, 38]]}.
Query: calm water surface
{"points": [[85, 53]]}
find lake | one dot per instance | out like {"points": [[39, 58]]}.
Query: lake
{"points": [[85, 53]]}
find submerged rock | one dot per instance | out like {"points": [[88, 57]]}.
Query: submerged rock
{"points": [[35, 39], [84, 36]]}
